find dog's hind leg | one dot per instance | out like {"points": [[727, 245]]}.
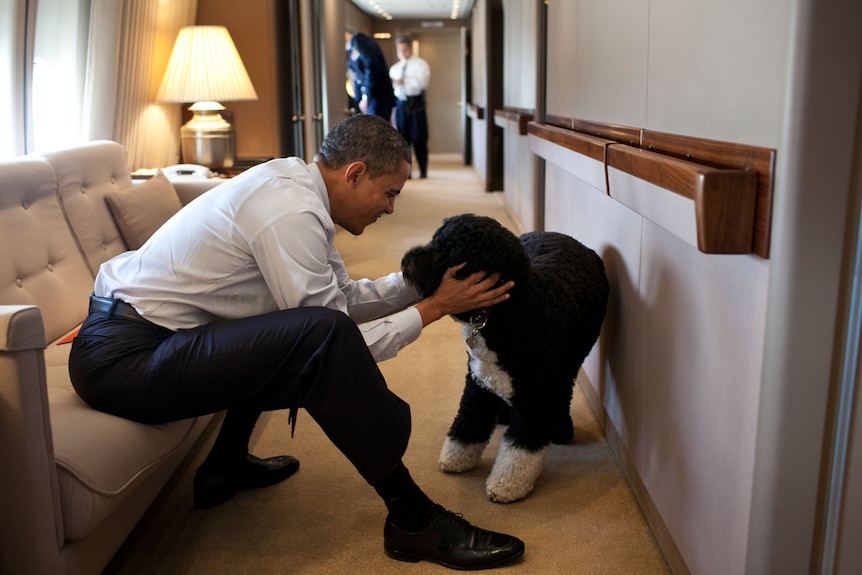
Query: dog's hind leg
{"points": [[471, 430], [565, 429]]}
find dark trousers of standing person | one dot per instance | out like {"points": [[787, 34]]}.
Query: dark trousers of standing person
{"points": [[313, 358], [381, 104], [412, 123]]}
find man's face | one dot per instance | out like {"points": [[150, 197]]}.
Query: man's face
{"points": [[404, 50], [371, 198]]}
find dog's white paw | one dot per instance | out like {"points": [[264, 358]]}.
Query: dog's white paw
{"points": [[456, 457], [514, 473]]}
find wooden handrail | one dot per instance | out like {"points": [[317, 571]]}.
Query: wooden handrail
{"points": [[590, 146], [510, 117], [726, 155], [724, 199], [616, 132], [730, 184], [559, 121], [475, 111]]}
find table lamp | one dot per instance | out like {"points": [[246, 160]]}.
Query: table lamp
{"points": [[205, 68]]}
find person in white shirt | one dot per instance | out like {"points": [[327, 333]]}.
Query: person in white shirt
{"points": [[240, 302], [410, 77]]}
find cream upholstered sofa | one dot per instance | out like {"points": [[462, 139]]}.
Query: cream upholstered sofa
{"points": [[73, 481]]}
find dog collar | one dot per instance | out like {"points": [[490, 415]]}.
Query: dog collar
{"points": [[480, 319], [478, 322]]}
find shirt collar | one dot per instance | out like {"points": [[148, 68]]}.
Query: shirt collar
{"points": [[319, 185]]}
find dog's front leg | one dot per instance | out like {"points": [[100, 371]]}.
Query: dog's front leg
{"points": [[522, 453], [471, 430], [515, 472]]}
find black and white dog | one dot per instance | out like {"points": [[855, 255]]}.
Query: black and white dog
{"points": [[524, 353]]}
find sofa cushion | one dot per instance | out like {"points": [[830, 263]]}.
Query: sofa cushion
{"points": [[40, 263], [141, 210], [102, 458], [84, 175]]}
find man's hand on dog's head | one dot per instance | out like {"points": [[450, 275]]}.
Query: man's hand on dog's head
{"points": [[476, 291]]}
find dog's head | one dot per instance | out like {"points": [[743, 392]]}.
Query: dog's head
{"points": [[482, 243]]}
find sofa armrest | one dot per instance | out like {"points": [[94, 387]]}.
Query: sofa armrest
{"points": [[21, 328], [188, 188], [31, 529]]}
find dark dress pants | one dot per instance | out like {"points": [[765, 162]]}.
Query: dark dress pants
{"points": [[380, 107], [313, 358], [412, 123]]}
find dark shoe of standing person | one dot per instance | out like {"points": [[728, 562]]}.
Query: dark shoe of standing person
{"points": [[213, 487], [451, 541]]}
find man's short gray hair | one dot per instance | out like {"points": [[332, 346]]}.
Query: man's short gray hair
{"points": [[365, 138]]}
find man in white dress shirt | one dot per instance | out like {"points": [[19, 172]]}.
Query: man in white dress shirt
{"points": [[410, 77], [240, 302]]}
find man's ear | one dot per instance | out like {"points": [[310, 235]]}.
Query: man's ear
{"points": [[353, 172]]}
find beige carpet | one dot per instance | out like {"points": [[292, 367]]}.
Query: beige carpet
{"points": [[581, 518]]}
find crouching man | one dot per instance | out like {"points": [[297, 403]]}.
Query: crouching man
{"points": [[240, 302]]}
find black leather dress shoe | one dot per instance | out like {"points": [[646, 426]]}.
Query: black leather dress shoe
{"points": [[213, 487], [451, 541]]}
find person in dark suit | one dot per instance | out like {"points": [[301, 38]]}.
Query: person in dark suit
{"points": [[371, 84]]}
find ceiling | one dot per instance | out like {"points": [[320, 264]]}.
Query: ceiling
{"points": [[416, 9]]}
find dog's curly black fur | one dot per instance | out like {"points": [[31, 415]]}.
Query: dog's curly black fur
{"points": [[523, 361]]}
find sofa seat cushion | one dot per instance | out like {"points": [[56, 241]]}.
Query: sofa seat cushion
{"points": [[100, 458], [141, 210]]}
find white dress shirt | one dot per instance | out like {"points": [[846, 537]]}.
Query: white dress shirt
{"points": [[261, 241], [416, 74]]}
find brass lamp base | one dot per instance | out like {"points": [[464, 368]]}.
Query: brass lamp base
{"points": [[208, 139]]}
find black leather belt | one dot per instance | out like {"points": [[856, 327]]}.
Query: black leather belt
{"points": [[114, 308]]}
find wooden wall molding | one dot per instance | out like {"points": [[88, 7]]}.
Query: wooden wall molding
{"points": [[727, 187], [723, 198], [591, 146], [475, 111], [579, 154], [731, 156], [513, 119]]}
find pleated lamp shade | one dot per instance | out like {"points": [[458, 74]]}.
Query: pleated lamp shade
{"points": [[205, 68], [205, 65]]}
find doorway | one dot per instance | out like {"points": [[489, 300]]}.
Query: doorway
{"points": [[443, 98]]}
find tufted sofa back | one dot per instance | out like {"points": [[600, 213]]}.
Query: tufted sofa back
{"points": [[75, 481], [84, 175], [40, 261], [56, 228]]}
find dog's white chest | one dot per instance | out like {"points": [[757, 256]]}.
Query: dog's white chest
{"points": [[484, 366]]}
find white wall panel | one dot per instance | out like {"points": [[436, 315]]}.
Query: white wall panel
{"points": [[519, 53], [717, 69], [598, 64], [615, 233], [704, 318], [559, 204], [611, 61], [518, 179], [681, 353]]}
